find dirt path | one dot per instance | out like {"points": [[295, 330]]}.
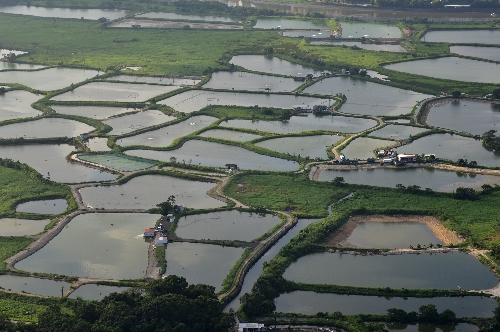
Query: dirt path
{"points": [[153, 270], [442, 233]]}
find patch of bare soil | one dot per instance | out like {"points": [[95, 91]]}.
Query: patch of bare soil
{"points": [[442, 233]]}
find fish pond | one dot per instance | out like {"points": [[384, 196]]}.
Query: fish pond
{"points": [[17, 66], [33, 285], [47, 79], [201, 263], [45, 128], [372, 30], [217, 155], [297, 124], [195, 100], [473, 36], [435, 179], [305, 146], [49, 206], [396, 271], [363, 147], [175, 16], [95, 292], [226, 225], [451, 68], [469, 116], [178, 81], [17, 104], [307, 33], [250, 82], [460, 327], [452, 147], [166, 135], [368, 98], [397, 132], [21, 227], [132, 122], [98, 144], [270, 64], [142, 193], [96, 245], [89, 14], [107, 91], [370, 47], [230, 135], [283, 23], [50, 161], [93, 112], [311, 303], [117, 161], [488, 53]]}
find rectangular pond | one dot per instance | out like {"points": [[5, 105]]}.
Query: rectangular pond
{"points": [[297, 124], [469, 116], [307, 33], [312, 303], [452, 147], [195, 100], [226, 225], [95, 292], [21, 227], [368, 98], [250, 82], [411, 271], [132, 122], [17, 104], [230, 135], [96, 245], [50, 161], [107, 91], [451, 68], [47, 206], [271, 64], [166, 135], [283, 23], [143, 193], [89, 14], [462, 36], [47, 79], [435, 179], [488, 53], [370, 47], [98, 144], [363, 147], [201, 263], [305, 146], [44, 287], [45, 128], [93, 112], [161, 24], [218, 155], [164, 80], [185, 17], [117, 161], [397, 132], [372, 30]]}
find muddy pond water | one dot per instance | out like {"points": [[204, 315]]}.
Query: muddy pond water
{"points": [[370, 47], [373, 30], [47, 79], [49, 160], [488, 53], [297, 124], [98, 144], [117, 161], [17, 104], [231, 135], [132, 122], [88, 14], [45, 128], [368, 98], [272, 65], [440, 271], [472, 36], [195, 100], [93, 112], [435, 179], [21, 227], [201, 263], [451, 68], [96, 245], [143, 193], [95, 292], [250, 82], [465, 115], [307, 33], [218, 155], [362, 147], [452, 147], [283, 23], [305, 146], [178, 81], [166, 135], [49, 206], [397, 132], [312, 303], [33, 285], [174, 16], [226, 225]]}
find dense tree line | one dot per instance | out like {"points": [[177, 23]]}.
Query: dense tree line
{"points": [[165, 305], [490, 141]]}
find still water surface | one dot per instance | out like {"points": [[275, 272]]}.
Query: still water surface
{"points": [[283, 23], [49, 206], [45, 128], [370, 47], [33, 285], [16, 105], [88, 14], [95, 292], [250, 82], [174, 16], [273, 65], [47, 79], [373, 30], [363, 147], [306, 146], [93, 112], [397, 132], [132, 122], [117, 161], [155, 80], [21, 227], [473, 36], [231, 135], [488, 53]]}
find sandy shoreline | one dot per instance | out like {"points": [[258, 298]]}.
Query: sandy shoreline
{"points": [[442, 233]]}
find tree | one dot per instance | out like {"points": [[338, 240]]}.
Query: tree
{"points": [[447, 316], [168, 206], [465, 193], [428, 313], [338, 181], [456, 94], [496, 94]]}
